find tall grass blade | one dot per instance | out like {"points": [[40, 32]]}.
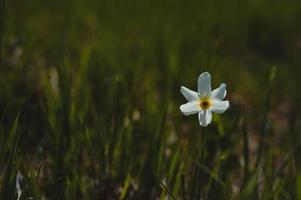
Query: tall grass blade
{"points": [[12, 164], [266, 108]]}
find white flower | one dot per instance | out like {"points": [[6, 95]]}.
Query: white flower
{"points": [[205, 101]]}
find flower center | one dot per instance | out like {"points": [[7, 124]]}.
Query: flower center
{"points": [[205, 104]]}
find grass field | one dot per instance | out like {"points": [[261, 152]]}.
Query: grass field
{"points": [[90, 97]]}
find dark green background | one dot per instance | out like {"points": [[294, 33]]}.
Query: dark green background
{"points": [[110, 127]]}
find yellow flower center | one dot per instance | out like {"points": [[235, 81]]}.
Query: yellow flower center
{"points": [[205, 103]]}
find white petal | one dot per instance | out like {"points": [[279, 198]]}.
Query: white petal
{"points": [[190, 108], [205, 117], [204, 84], [219, 93], [189, 94], [219, 106]]}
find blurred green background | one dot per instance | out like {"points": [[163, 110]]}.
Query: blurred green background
{"points": [[89, 99]]}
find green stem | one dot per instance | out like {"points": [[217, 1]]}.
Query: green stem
{"points": [[200, 174]]}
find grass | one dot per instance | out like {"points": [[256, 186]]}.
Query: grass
{"points": [[89, 99]]}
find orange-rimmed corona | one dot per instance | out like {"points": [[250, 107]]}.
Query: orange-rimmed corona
{"points": [[205, 103]]}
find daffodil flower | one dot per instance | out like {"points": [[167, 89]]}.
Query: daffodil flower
{"points": [[205, 101]]}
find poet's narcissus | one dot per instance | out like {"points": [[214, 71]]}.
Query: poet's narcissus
{"points": [[205, 101]]}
